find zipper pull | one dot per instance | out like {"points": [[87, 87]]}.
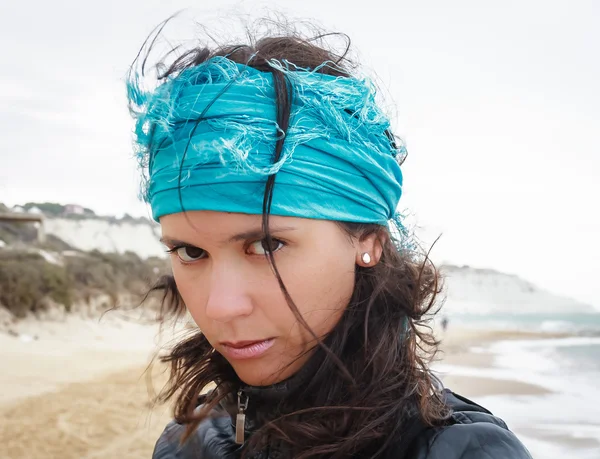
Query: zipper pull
{"points": [[240, 421]]}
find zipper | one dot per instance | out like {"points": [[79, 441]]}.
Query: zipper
{"points": [[240, 420]]}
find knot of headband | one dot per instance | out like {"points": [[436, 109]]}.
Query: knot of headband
{"points": [[206, 141]]}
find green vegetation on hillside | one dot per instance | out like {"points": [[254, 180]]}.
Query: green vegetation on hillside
{"points": [[27, 278]]}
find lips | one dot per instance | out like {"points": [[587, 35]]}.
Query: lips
{"points": [[245, 349], [241, 344]]}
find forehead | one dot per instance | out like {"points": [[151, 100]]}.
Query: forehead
{"points": [[225, 227], [207, 220]]}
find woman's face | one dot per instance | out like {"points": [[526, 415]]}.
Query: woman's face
{"points": [[228, 286]]}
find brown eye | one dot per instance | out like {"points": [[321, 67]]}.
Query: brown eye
{"points": [[262, 247], [189, 254]]}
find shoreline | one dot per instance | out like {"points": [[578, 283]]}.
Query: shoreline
{"points": [[469, 365]]}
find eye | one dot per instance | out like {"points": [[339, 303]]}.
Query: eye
{"points": [[261, 247], [188, 253]]}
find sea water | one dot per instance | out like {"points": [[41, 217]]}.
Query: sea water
{"points": [[586, 323], [566, 421]]}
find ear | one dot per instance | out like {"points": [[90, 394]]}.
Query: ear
{"points": [[372, 245]]}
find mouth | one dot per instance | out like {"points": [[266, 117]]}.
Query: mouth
{"points": [[239, 350]]}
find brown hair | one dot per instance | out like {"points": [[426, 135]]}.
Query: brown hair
{"points": [[373, 379]]}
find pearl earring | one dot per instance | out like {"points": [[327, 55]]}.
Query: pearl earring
{"points": [[366, 258]]}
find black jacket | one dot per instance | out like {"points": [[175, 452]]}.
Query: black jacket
{"points": [[471, 432]]}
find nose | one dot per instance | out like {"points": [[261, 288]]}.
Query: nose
{"points": [[228, 297]]}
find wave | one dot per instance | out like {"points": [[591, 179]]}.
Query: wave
{"points": [[587, 324], [563, 326]]}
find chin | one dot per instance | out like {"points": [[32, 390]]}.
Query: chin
{"points": [[256, 373]]}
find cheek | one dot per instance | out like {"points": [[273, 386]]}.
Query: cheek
{"points": [[321, 293], [193, 292]]}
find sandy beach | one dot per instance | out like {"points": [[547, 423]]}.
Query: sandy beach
{"points": [[466, 348], [79, 389]]}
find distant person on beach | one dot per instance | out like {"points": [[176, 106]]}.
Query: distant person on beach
{"points": [[275, 177], [445, 322]]}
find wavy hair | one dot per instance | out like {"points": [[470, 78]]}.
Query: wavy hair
{"points": [[373, 380]]}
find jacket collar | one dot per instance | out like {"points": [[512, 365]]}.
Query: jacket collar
{"points": [[279, 391], [261, 404]]}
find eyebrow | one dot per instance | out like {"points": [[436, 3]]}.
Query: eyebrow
{"points": [[256, 233]]}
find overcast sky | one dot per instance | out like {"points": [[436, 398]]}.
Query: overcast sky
{"points": [[498, 102]]}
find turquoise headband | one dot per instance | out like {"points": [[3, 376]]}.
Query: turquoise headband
{"points": [[337, 162]]}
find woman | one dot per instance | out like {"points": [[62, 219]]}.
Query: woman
{"points": [[275, 178]]}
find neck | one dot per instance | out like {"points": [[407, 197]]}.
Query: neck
{"points": [[252, 406]]}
